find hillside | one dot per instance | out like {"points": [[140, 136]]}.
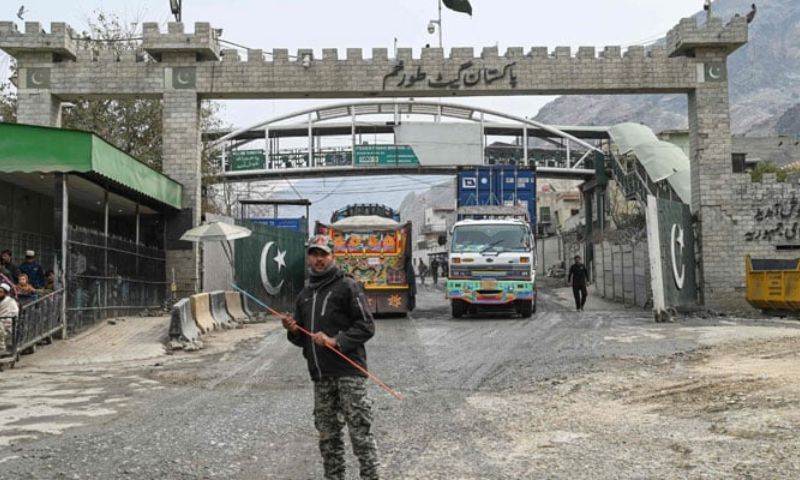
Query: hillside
{"points": [[764, 82]]}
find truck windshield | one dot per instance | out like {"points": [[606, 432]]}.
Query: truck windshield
{"points": [[490, 238]]}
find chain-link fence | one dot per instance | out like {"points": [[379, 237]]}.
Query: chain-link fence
{"points": [[109, 277]]}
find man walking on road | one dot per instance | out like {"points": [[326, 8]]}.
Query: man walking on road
{"points": [[334, 309], [578, 275]]}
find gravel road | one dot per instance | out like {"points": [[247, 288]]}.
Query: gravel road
{"points": [[598, 394]]}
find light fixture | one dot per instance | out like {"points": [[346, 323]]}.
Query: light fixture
{"points": [[306, 60], [432, 26]]}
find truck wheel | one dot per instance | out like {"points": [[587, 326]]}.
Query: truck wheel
{"points": [[526, 309], [457, 308]]}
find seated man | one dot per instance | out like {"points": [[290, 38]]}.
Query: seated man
{"points": [[8, 312]]}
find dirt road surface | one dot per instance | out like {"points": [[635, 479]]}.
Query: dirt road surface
{"points": [[600, 394]]}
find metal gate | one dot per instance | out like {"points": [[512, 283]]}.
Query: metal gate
{"points": [[110, 277], [672, 260], [270, 264]]}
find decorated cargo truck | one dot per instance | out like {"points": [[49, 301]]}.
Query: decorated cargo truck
{"points": [[372, 245]]}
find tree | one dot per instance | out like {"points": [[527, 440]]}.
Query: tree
{"points": [[134, 125], [8, 103]]}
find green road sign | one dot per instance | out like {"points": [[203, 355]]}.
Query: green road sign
{"points": [[384, 155], [247, 160]]}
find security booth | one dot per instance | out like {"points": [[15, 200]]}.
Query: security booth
{"points": [[92, 214]]}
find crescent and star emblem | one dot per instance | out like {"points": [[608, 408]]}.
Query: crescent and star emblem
{"points": [[280, 259], [677, 238], [715, 72], [35, 78], [183, 78]]}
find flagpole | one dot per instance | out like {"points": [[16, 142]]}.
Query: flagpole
{"points": [[440, 24]]}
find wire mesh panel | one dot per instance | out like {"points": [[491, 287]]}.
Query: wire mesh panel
{"points": [[19, 241], [110, 277]]}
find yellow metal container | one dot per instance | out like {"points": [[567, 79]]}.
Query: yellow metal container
{"points": [[773, 284]]}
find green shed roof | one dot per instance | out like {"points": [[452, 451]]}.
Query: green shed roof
{"points": [[35, 149]]}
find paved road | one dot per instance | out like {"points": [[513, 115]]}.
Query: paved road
{"points": [[245, 414]]}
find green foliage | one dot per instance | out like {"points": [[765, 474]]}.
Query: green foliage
{"points": [[134, 125], [767, 167], [8, 103]]}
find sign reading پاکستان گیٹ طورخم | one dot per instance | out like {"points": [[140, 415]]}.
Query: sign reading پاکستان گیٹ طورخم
{"points": [[468, 76]]}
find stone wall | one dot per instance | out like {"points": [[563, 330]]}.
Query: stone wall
{"points": [[760, 218]]}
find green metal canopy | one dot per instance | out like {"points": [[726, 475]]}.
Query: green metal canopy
{"points": [[35, 149], [661, 160]]}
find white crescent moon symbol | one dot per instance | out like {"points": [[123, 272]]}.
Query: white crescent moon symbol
{"points": [[679, 278], [271, 289], [35, 78], [182, 78], [714, 72]]}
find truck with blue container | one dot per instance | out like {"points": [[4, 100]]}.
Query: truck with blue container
{"points": [[492, 250]]}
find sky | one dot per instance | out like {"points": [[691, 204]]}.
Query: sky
{"points": [[367, 24]]}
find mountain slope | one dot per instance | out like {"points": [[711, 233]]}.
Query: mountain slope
{"points": [[764, 82]]}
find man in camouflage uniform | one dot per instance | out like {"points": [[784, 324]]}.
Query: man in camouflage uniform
{"points": [[334, 309]]}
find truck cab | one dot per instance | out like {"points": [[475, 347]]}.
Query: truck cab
{"points": [[492, 265]]}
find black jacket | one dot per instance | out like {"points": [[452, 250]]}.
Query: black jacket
{"points": [[578, 274], [338, 307]]}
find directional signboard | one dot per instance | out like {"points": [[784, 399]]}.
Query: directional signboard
{"points": [[385, 155], [247, 160]]}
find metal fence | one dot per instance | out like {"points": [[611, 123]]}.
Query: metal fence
{"points": [[110, 277], [37, 321], [18, 242], [622, 272]]}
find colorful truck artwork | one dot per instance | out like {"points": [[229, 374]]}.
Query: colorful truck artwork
{"points": [[375, 249]]}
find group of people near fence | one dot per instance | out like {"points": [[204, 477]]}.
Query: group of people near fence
{"points": [[436, 266], [20, 284]]}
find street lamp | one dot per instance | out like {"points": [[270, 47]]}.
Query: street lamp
{"points": [[175, 6]]}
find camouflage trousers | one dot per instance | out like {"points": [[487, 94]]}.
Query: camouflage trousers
{"points": [[338, 401]]}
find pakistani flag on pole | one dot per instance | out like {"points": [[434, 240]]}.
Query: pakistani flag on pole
{"points": [[462, 6]]}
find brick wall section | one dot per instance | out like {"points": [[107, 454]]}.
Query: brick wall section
{"points": [[181, 160]]}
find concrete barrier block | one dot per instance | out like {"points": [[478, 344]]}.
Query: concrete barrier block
{"points": [[201, 311], [233, 302], [218, 310], [182, 326]]}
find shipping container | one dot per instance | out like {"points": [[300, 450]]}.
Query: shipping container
{"points": [[498, 185]]}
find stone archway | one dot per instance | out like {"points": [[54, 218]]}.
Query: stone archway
{"points": [[188, 67]]}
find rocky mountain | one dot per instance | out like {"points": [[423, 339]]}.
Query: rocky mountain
{"points": [[764, 82]]}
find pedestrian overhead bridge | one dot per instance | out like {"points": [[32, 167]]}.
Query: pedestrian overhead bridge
{"points": [[640, 162]]}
